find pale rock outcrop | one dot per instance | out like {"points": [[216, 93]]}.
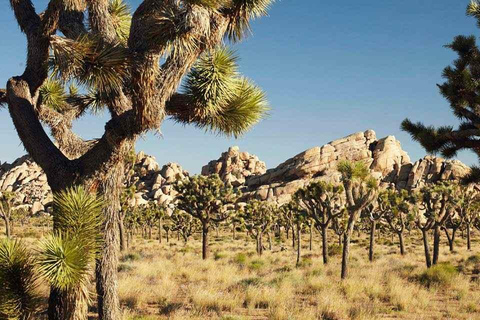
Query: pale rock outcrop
{"points": [[234, 166]]}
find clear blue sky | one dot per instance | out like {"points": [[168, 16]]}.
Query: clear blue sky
{"points": [[330, 68]]}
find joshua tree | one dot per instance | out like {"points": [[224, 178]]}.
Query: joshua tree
{"points": [[322, 202], [133, 66], [257, 217], [461, 91], [185, 224], [287, 217], [432, 213], [66, 259], [360, 191], [373, 214], [398, 214], [468, 205], [7, 204], [206, 199]]}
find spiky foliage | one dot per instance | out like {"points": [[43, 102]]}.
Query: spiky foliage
{"points": [[92, 63], [241, 13], [461, 91], [396, 206], [226, 102], [66, 257], [19, 298], [53, 95], [122, 19]]}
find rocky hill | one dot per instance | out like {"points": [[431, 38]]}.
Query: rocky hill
{"points": [[385, 157]]}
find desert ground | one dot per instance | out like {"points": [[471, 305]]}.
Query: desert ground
{"points": [[171, 281]]}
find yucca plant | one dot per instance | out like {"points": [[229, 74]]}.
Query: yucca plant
{"points": [[19, 298]]}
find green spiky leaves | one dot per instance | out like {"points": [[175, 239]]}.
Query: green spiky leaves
{"points": [[214, 78], [241, 12], [353, 170], [19, 298], [66, 257], [95, 64], [224, 101], [63, 261], [122, 19]]}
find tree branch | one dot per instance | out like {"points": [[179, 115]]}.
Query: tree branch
{"points": [[36, 141], [27, 18]]}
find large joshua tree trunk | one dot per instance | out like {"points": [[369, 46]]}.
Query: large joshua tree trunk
{"points": [[426, 248], [160, 226], [108, 302]]}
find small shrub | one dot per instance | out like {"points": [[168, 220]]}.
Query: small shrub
{"points": [[240, 258], [441, 274], [219, 255], [256, 264], [130, 257]]}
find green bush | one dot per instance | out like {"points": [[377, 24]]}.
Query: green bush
{"points": [[256, 264], [240, 258], [219, 255], [441, 274], [130, 257]]}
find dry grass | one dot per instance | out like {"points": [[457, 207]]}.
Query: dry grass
{"points": [[170, 281]]}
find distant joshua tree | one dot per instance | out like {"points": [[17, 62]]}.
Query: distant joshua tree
{"points": [[323, 202], [207, 199], [360, 191], [7, 207], [257, 217]]}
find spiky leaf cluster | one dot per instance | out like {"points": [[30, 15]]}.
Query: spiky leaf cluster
{"points": [[183, 223], [242, 12], [67, 256], [225, 102], [121, 18], [19, 298], [90, 62]]}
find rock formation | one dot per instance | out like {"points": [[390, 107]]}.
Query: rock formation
{"points": [[385, 157], [153, 183], [234, 166]]}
